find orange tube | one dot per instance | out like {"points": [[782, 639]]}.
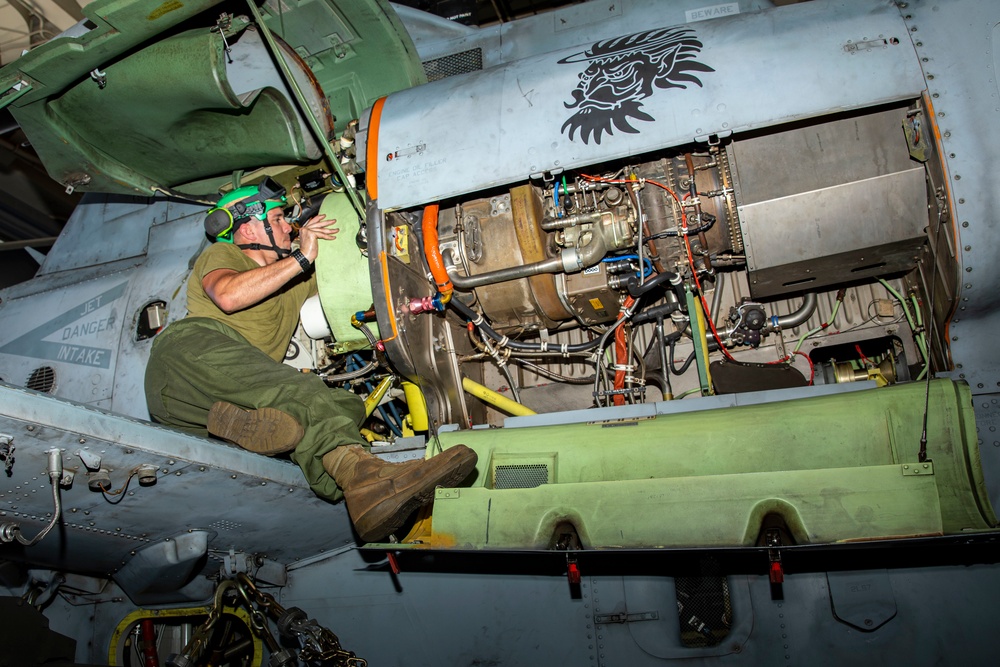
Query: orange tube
{"points": [[621, 356], [372, 154], [433, 254]]}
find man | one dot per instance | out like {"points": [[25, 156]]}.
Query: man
{"points": [[220, 369]]}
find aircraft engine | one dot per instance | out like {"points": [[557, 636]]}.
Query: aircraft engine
{"points": [[576, 239], [805, 208], [767, 224]]}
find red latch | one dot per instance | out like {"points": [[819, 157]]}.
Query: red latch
{"points": [[777, 573], [573, 573], [393, 564]]}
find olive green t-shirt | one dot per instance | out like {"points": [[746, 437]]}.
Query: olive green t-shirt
{"points": [[267, 325]]}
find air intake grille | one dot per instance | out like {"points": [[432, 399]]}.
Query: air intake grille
{"points": [[42, 379], [456, 63], [526, 476]]}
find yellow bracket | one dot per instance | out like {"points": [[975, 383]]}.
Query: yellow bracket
{"points": [[377, 395]]}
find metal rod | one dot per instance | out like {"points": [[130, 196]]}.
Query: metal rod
{"points": [[306, 111], [40, 242]]}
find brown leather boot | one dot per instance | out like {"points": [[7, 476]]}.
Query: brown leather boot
{"points": [[267, 431], [380, 496]]}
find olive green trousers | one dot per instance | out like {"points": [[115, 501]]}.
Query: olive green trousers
{"points": [[198, 361]]}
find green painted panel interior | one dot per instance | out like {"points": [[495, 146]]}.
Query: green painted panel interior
{"points": [[182, 122], [119, 27], [359, 51], [166, 117], [840, 467]]}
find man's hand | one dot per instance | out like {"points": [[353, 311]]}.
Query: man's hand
{"points": [[317, 228]]}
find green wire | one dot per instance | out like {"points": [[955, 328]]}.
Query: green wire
{"points": [[836, 309], [920, 338]]}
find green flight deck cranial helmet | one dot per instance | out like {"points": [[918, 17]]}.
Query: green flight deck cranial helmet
{"points": [[243, 205]]}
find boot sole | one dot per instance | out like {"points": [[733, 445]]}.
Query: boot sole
{"points": [[266, 431], [420, 496]]}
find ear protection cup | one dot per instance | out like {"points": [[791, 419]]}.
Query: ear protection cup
{"points": [[219, 221]]}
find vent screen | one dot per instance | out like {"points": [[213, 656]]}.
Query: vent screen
{"points": [[42, 379], [526, 476], [456, 63], [704, 610], [222, 524]]}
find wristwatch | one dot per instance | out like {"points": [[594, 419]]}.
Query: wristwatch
{"points": [[301, 259]]}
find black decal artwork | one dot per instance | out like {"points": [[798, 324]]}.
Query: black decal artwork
{"points": [[622, 72]]}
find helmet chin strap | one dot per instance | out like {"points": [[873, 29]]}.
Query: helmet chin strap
{"points": [[280, 252]]}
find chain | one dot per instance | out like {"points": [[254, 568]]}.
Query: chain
{"points": [[319, 644], [203, 635]]}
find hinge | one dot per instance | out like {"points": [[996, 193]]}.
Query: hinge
{"points": [[713, 139], [922, 469]]}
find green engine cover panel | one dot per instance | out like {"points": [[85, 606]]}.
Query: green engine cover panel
{"points": [[149, 97], [833, 468]]}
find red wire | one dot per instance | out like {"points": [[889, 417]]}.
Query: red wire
{"points": [[620, 352], [812, 369], [694, 274], [694, 271], [687, 245]]}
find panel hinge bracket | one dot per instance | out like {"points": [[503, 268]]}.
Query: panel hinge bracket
{"points": [[917, 469]]}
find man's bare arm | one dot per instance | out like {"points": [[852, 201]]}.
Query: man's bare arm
{"points": [[235, 290]]}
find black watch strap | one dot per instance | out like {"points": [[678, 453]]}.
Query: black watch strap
{"points": [[301, 259]]}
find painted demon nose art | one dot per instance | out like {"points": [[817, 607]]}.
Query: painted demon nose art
{"points": [[622, 71]]}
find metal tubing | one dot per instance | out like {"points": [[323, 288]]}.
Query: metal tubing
{"points": [[799, 316], [661, 344], [552, 224], [478, 320], [11, 531], [469, 283], [570, 260]]}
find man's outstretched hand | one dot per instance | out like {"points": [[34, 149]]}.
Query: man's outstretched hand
{"points": [[318, 227]]}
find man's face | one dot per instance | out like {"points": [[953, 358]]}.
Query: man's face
{"points": [[282, 230]]}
